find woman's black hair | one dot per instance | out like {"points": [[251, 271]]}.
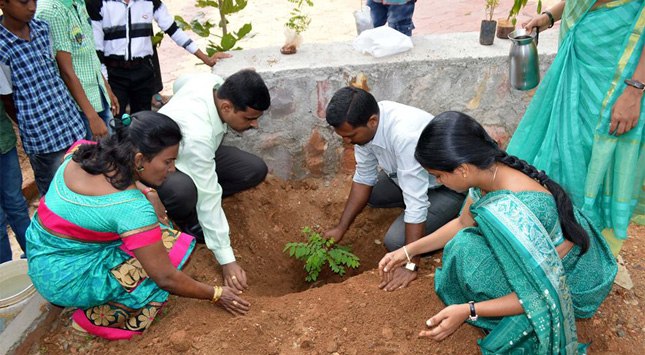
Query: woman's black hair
{"points": [[454, 138], [148, 133]]}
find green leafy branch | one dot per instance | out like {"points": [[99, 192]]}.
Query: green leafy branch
{"points": [[517, 6], [318, 251], [299, 22], [206, 28]]}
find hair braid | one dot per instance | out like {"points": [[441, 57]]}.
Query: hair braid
{"points": [[571, 229]]}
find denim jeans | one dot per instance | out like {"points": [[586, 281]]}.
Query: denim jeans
{"points": [[13, 207], [105, 115], [44, 167], [399, 17]]}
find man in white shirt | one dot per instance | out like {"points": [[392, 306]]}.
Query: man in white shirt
{"points": [[204, 106], [385, 135]]}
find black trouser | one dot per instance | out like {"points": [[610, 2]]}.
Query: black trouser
{"points": [[444, 206], [133, 85], [236, 170]]}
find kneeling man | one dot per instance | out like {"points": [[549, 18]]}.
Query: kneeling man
{"points": [[204, 106], [385, 135]]}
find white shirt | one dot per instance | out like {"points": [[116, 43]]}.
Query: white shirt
{"points": [[193, 108], [392, 149]]}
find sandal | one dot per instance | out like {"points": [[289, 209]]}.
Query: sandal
{"points": [[158, 101]]}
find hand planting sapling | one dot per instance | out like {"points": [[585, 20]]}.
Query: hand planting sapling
{"points": [[318, 251]]}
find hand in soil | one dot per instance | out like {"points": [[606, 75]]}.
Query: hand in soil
{"points": [[446, 322], [337, 233], [391, 261], [233, 303], [399, 278], [235, 277]]}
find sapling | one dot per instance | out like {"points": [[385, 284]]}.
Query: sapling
{"points": [[318, 251]]}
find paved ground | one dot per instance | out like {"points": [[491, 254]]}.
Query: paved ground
{"points": [[332, 21]]}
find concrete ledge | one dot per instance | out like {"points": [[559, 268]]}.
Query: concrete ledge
{"points": [[442, 72], [24, 325]]}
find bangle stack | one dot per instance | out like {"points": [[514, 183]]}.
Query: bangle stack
{"points": [[217, 292]]}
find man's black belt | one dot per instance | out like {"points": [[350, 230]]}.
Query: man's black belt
{"points": [[120, 63]]}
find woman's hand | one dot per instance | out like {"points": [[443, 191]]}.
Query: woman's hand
{"points": [[446, 322], [160, 209], [626, 111], [233, 303], [389, 263], [542, 22]]}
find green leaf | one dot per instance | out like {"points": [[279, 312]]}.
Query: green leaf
{"points": [[539, 8], [243, 31], [182, 23], [514, 21], [227, 42]]}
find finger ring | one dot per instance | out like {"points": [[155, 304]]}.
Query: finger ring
{"points": [[233, 277], [235, 303]]}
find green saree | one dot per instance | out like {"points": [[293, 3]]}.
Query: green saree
{"points": [[565, 128], [513, 249]]}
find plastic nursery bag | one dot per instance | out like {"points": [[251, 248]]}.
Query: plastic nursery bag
{"points": [[382, 41], [363, 19]]}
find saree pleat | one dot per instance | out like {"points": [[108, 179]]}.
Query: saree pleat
{"points": [[565, 128]]}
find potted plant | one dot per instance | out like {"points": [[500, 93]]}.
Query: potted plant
{"points": [[298, 23], [487, 30]]}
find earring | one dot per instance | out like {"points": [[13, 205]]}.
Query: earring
{"points": [[140, 169], [465, 175]]}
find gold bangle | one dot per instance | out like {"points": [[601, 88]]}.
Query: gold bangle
{"points": [[217, 292]]}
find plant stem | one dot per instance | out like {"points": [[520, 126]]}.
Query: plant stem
{"points": [[222, 18]]}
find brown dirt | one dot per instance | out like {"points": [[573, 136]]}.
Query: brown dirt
{"points": [[290, 316]]}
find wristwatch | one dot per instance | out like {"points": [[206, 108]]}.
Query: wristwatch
{"points": [[635, 83], [411, 266], [473, 315]]}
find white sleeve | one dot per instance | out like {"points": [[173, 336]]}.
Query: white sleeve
{"points": [[167, 24], [413, 181], [6, 85], [366, 166], [198, 162]]}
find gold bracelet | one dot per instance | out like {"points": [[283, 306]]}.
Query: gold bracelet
{"points": [[217, 292]]}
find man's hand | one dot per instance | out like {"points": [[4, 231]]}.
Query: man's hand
{"points": [[114, 101], [160, 209], [398, 278], [337, 233], [234, 277], [97, 126], [211, 61]]}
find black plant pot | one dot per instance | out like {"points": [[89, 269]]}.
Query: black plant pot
{"points": [[487, 32]]}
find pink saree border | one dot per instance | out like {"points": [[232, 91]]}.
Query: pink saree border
{"points": [[108, 333], [142, 239], [180, 249], [77, 143], [59, 225]]}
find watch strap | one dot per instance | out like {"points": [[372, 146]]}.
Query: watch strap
{"points": [[635, 83]]}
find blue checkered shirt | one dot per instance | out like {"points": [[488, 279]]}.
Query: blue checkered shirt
{"points": [[47, 116]]}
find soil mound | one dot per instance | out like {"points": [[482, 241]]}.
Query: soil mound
{"points": [[290, 316]]}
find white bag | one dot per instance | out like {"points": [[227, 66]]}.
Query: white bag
{"points": [[382, 41], [363, 19]]}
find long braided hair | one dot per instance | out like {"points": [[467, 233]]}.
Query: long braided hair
{"points": [[454, 138]]}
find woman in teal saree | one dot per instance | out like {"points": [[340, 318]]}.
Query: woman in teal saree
{"points": [[585, 125], [520, 261]]}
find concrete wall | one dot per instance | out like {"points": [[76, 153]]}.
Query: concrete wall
{"points": [[445, 72]]}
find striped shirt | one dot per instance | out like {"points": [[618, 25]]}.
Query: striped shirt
{"points": [[47, 118], [122, 30], [71, 32]]}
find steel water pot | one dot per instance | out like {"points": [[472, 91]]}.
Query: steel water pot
{"points": [[524, 66]]}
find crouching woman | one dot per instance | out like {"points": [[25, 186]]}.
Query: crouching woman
{"points": [[96, 242], [520, 261]]}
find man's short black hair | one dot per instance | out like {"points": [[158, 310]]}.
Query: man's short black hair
{"points": [[245, 89], [351, 105]]}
